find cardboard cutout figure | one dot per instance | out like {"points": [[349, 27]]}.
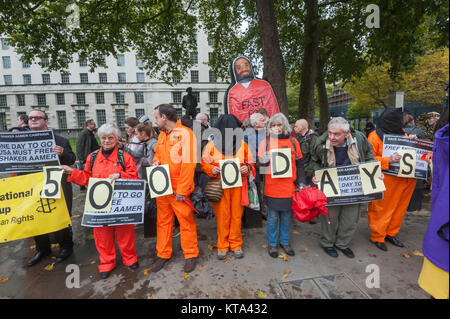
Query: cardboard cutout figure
{"points": [[246, 93]]}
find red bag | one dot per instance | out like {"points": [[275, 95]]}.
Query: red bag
{"points": [[309, 203]]}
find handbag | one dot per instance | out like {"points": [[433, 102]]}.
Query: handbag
{"points": [[213, 190], [253, 194]]}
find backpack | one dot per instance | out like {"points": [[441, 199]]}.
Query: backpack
{"points": [[119, 156]]}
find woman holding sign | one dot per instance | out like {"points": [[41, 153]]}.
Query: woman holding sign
{"points": [[286, 172], [230, 208], [108, 164]]}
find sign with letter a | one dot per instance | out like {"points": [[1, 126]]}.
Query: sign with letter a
{"points": [[328, 182], [281, 164], [230, 173]]}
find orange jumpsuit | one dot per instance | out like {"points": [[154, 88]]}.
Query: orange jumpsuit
{"points": [[230, 208], [177, 148], [386, 215], [104, 236]]}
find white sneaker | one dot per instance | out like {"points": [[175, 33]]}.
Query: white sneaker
{"points": [[238, 253], [221, 255]]}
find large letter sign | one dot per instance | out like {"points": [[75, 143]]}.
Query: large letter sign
{"points": [[281, 164], [371, 178], [407, 163], [52, 184], [230, 173], [158, 178], [99, 195]]}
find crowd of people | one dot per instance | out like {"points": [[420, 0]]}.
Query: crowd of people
{"points": [[172, 141]]}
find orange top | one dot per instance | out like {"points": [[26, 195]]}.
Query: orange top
{"points": [[177, 148]]}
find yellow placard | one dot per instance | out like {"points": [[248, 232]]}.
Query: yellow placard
{"points": [[328, 182], [23, 213], [281, 163], [407, 163], [371, 178], [52, 182], [230, 173], [158, 178], [99, 195]]}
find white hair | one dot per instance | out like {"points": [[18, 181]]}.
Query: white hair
{"points": [[107, 129], [256, 117], [339, 122], [280, 118]]}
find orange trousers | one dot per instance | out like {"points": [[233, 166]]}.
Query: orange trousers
{"points": [[386, 215], [229, 217], [167, 207], [104, 241]]}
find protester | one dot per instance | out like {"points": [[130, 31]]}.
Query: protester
{"points": [[256, 133], [307, 138], [434, 277], [176, 147], [146, 134], [106, 166], [133, 145], [411, 128], [280, 191], [426, 122], [370, 127], [230, 208], [38, 121], [340, 146], [246, 124], [203, 118], [386, 215], [22, 124], [86, 144]]}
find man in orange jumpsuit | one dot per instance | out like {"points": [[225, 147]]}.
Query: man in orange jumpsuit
{"points": [[386, 215], [176, 147]]}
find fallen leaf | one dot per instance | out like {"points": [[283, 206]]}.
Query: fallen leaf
{"points": [[306, 249], [417, 253], [33, 247], [154, 297], [91, 237], [225, 260], [284, 276], [4, 280], [186, 276], [265, 246], [407, 256], [146, 272], [211, 247], [296, 232], [76, 216], [93, 262], [250, 269], [50, 267], [283, 256], [53, 257], [261, 295], [207, 294], [287, 271]]}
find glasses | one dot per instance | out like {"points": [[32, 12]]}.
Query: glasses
{"points": [[36, 118]]}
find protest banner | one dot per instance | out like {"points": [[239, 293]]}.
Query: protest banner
{"points": [[27, 152], [281, 163], [393, 144], [230, 173], [23, 213], [158, 178], [127, 202], [343, 185]]}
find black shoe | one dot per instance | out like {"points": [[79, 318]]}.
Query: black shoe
{"points": [[190, 264], [347, 252], [105, 274], [134, 266], [331, 251], [381, 246], [273, 252], [159, 264], [288, 250], [64, 253], [394, 241], [37, 257]]}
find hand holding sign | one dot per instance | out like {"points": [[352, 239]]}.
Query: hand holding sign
{"points": [[52, 182], [281, 164], [99, 195], [230, 173], [407, 163], [158, 178]]}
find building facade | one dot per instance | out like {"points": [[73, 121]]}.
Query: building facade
{"points": [[111, 94]]}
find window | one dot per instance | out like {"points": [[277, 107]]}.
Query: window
{"points": [[3, 122], [212, 77], [81, 118], [62, 119], [120, 118], [213, 114], [179, 112], [194, 58], [176, 97], [122, 77], [60, 99], [213, 97], [84, 78], [65, 78], [197, 96], [45, 78], [41, 99], [210, 42], [20, 99], [120, 98], [25, 65], [103, 59], [5, 44], [140, 77], [44, 62], [81, 98], [6, 62], [139, 97], [101, 117], [176, 79], [27, 79], [194, 77], [120, 60], [3, 101], [8, 79], [139, 62], [83, 63], [100, 98], [139, 112], [209, 56], [103, 78]]}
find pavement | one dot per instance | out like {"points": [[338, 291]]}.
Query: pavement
{"points": [[310, 274]]}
